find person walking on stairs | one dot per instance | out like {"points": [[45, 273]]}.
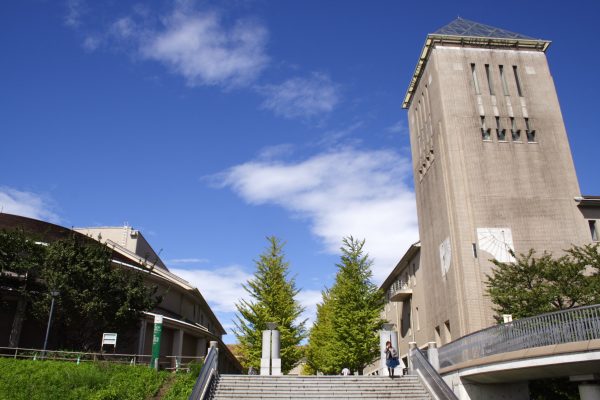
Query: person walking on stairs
{"points": [[391, 358]]}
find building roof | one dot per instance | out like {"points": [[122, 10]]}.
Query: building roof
{"points": [[588, 201], [403, 263], [464, 33], [464, 27]]}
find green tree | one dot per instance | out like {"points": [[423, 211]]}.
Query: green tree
{"points": [[272, 299], [94, 295], [346, 330], [321, 350], [20, 264], [535, 285]]}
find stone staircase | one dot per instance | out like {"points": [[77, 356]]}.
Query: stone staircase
{"points": [[318, 387]]}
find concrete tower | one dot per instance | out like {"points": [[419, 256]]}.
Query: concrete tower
{"points": [[492, 165]]}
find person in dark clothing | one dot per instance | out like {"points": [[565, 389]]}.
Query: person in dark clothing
{"points": [[391, 358]]}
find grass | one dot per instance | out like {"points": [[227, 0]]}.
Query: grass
{"points": [[182, 385], [40, 380]]}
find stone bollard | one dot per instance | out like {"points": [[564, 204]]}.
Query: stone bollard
{"points": [[432, 355]]}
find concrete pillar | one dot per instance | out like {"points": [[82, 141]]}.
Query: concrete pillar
{"points": [[201, 347], [432, 355], [589, 391], [275, 356], [176, 348], [265, 360], [589, 386], [142, 337], [411, 345], [214, 346]]}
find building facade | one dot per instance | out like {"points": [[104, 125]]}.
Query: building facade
{"points": [[188, 323], [493, 175]]}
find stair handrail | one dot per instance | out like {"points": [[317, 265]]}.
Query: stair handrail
{"points": [[435, 384], [207, 374]]}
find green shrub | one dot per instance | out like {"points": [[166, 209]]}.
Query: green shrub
{"points": [[40, 380], [182, 385]]}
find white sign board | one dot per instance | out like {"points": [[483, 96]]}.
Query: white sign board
{"points": [[110, 339]]}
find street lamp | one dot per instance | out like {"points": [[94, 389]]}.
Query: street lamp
{"points": [[53, 293]]}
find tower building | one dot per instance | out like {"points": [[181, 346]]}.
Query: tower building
{"points": [[493, 173]]}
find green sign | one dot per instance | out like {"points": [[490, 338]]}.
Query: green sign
{"points": [[158, 319]]}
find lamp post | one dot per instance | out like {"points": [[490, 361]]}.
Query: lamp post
{"points": [[53, 293]]}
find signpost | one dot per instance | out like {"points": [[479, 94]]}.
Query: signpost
{"points": [[158, 320], [109, 339]]}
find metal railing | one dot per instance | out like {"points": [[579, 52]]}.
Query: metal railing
{"points": [[419, 365], [566, 326], [74, 356], [207, 375], [166, 362]]}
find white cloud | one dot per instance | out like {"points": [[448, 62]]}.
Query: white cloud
{"points": [[199, 47], [363, 193], [221, 287], [91, 43], [75, 10], [27, 204], [399, 127], [188, 261], [309, 300], [301, 97]]}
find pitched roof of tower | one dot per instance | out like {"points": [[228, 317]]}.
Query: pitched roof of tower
{"points": [[464, 27], [465, 33]]}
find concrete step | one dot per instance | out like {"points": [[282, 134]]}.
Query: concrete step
{"points": [[254, 387]]}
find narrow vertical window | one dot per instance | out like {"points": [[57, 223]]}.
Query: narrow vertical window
{"points": [[501, 133], [530, 132], [474, 248], [489, 79], [516, 133], [517, 81], [418, 322], [485, 131], [503, 79], [475, 81], [593, 230], [448, 333]]}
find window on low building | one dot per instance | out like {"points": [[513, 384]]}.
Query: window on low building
{"points": [[593, 229]]}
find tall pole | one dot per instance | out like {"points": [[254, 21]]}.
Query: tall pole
{"points": [[53, 294]]}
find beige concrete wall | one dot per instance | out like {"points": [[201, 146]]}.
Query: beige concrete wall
{"points": [[127, 237], [463, 183]]}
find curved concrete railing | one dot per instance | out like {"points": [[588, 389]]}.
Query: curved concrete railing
{"points": [[420, 366], [566, 326], [207, 374]]}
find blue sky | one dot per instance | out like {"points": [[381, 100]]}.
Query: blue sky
{"points": [[210, 125]]}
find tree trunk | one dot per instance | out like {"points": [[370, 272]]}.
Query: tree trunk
{"points": [[17, 326]]}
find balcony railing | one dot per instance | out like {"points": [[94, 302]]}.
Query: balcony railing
{"points": [[566, 326], [399, 291]]}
